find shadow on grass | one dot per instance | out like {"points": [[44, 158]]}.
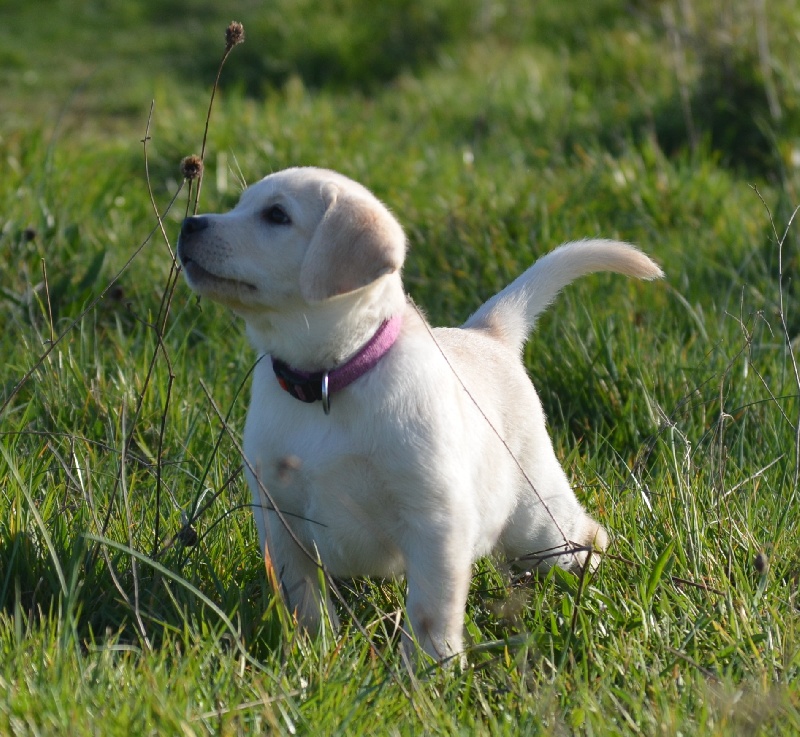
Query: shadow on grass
{"points": [[103, 591]]}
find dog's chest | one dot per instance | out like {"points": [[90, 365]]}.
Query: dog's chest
{"points": [[322, 474]]}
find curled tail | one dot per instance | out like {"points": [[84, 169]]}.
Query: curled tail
{"points": [[511, 314]]}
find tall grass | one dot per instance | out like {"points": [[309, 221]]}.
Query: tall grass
{"points": [[132, 595]]}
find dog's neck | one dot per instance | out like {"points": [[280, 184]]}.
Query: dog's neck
{"points": [[320, 337]]}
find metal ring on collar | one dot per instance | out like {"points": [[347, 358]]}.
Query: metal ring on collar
{"points": [[326, 397]]}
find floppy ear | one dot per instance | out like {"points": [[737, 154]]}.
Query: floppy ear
{"points": [[356, 242]]}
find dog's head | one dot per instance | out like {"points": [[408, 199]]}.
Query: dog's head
{"points": [[300, 236]]}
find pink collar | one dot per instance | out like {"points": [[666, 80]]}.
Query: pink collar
{"points": [[318, 386]]}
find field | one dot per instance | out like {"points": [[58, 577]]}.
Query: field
{"points": [[132, 596]]}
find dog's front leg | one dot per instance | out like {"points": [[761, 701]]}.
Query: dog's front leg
{"points": [[301, 577], [438, 583], [297, 569]]}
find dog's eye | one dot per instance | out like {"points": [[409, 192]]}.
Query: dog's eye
{"points": [[276, 215]]}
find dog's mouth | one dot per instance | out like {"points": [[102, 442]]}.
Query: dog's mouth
{"points": [[201, 276]]}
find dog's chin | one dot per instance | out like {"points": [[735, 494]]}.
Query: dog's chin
{"points": [[228, 291]]}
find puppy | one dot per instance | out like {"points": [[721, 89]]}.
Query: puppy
{"points": [[375, 444]]}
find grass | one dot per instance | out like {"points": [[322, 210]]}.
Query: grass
{"points": [[494, 131]]}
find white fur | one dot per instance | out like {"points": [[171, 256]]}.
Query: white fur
{"points": [[438, 455]]}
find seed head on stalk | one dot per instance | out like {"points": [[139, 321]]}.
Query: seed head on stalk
{"points": [[192, 167], [234, 35]]}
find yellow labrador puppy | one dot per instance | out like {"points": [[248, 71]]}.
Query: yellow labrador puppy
{"points": [[375, 444]]}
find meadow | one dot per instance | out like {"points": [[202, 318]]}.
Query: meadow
{"points": [[133, 599]]}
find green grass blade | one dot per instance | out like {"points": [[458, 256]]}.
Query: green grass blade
{"points": [[658, 570]]}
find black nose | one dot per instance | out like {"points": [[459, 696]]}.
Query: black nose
{"points": [[194, 225]]}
